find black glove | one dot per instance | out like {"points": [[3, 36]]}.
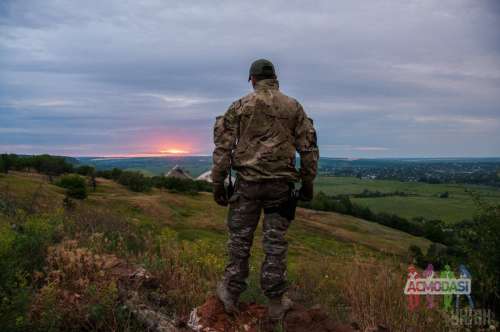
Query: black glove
{"points": [[306, 191], [220, 194]]}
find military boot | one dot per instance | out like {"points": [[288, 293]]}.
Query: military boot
{"points": [[278, 307], [229, 300]]}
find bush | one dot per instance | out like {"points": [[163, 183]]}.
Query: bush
{"points": [[202, 185], [51, 165], [22, 251], [110, 174], [6, 163], [444, 195], [116, 173], [181, 185], [135, 181], [415, 255], [85, 170], [481, 252], [75, 186], [433, 230]]}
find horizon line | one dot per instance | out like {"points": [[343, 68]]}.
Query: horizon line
{"points": [[326, 157], [160, 155]]}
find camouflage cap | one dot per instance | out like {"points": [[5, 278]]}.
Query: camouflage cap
{"points": [[261, 67]]}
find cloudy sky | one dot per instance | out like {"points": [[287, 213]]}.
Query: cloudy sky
{"points": [[380, 78]]}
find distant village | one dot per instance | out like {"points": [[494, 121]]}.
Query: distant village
{"points": [[486, 173]]}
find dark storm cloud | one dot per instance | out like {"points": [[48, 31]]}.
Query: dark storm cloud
{"points": [[384, 78]]}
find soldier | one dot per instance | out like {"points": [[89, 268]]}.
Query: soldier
{"points": [[258, 137]]}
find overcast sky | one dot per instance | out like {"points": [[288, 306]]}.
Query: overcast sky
{"points": [[379, 78]]}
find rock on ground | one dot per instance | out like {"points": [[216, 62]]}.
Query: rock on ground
{"points": [[210, 317]]}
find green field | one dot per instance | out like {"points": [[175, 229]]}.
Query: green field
{"points": [[423, 199]]}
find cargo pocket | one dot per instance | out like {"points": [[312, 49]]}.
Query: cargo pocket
{"points": [[233, 206], [275, 193]]}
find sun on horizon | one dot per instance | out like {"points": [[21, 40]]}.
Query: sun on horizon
{"points": [[174, 151]]}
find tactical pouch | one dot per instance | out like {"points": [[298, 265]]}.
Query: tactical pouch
{"points": [[290, 206]]}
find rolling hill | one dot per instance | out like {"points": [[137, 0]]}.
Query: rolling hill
{"points": [[180, 239], [197, 216]]}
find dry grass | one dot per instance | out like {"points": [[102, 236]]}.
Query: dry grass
{"points": [[79, 292], [366, 291], [187, 271]]}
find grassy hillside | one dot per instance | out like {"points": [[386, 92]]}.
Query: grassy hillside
{"points": [[198, 217], [181, 240], [422, 201]]}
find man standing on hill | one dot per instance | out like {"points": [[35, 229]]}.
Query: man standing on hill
{"points": [[258, 137]]}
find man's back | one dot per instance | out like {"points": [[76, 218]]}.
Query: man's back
{"points": [[264, 130]]}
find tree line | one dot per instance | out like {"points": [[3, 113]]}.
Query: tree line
{"points": [[433, 230], [45, 164], [71, 175], [136, 181]]}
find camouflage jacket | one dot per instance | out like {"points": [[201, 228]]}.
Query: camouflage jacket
{"points": [[259, 135]]}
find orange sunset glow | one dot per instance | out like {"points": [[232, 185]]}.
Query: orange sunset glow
{"points": [[171, 144], [174, 151]]}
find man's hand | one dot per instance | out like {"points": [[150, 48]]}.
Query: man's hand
{"points": [[306, 191], [220, 194]]}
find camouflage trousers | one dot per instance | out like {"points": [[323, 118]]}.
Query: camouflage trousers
{"points": [[245, 207]]}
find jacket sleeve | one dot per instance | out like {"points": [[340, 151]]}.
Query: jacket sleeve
{"points": [[306, 145], [225, 137]]}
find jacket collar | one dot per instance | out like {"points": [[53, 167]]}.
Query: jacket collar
{"points": [[267, 84]]}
